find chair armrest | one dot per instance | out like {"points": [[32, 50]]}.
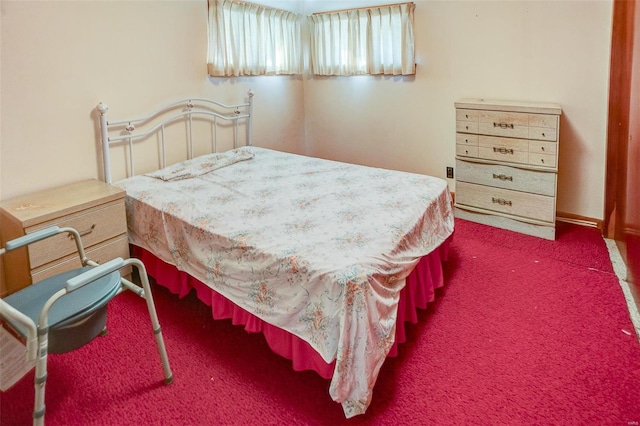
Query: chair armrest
{"points": [[94, 273], [32, 238], [15, 316]]}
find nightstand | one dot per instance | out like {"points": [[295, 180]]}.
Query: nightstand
{"points": [[92, 207]]}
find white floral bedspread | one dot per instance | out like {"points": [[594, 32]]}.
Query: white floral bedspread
{"points": [[316, 247]]}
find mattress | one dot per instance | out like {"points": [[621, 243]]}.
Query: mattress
{"points": [[318, 248]]}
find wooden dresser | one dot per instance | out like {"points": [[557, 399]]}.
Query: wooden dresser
{"points": [[507, 164], [92, 207]]}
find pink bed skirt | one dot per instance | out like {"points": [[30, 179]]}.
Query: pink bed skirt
{"points": [[419, 291]]}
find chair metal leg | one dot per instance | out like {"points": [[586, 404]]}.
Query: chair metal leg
{"points": [[40, 379], [144, 279]]}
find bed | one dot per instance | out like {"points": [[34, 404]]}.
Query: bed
{"points": [[328, 260]]}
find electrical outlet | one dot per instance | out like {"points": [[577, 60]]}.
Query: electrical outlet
{"points": [[450, 172]]}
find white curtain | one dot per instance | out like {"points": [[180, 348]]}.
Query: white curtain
{"points": [[247, 39], [377, 40]]}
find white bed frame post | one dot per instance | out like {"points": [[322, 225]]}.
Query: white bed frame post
{"points": [[250, 121], [102, 108]]}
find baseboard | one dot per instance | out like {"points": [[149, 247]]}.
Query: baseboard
{"points": [[631, 231], [580, 220]]}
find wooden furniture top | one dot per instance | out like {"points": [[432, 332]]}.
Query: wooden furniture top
{"points": [[34, 208], [499, 105]]}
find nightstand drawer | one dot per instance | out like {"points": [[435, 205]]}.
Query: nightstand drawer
{"points": [[100, 253], [94, 225], [516, 203]]}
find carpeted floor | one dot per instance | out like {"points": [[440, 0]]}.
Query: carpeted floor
{"points": [[526, 331]]}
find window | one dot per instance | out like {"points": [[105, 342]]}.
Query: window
{"points": [[247, 39], [377, 40]]}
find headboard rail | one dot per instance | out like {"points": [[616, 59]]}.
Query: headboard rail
{"points": [[183, 102], [125, 131]]}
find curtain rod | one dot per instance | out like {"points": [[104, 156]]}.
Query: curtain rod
{"points": [[361, 8], [263, 6]]}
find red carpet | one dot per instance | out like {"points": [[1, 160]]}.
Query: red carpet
{"points": [[526, 331]]}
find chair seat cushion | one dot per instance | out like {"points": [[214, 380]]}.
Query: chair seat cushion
{"points": [[74, 307]]}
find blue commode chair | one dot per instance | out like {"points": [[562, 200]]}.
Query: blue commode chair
{"points": [[67, 311]]}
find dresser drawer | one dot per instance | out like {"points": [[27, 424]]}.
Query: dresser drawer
{"points": [[540, 147], [521, 145], [537, 182], [504, 154], [518, 125], [503, 149], [507, 124], [531, 206], [466, 139], [95, 225], [543, 120], [467, 114], [466, 127], [466, 150], [543, 133], [101, 253], [547, 160]]}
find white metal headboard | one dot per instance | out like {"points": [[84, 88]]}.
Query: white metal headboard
{"points": [[124, 131]]}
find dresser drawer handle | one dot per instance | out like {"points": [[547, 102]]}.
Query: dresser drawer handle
{"points": [[503, 177], [503, 150], [503, 125], [83, 233], [500, 201]]}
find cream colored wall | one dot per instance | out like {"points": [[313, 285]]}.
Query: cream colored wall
{"points": [[60, 58], [551, 51]]}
